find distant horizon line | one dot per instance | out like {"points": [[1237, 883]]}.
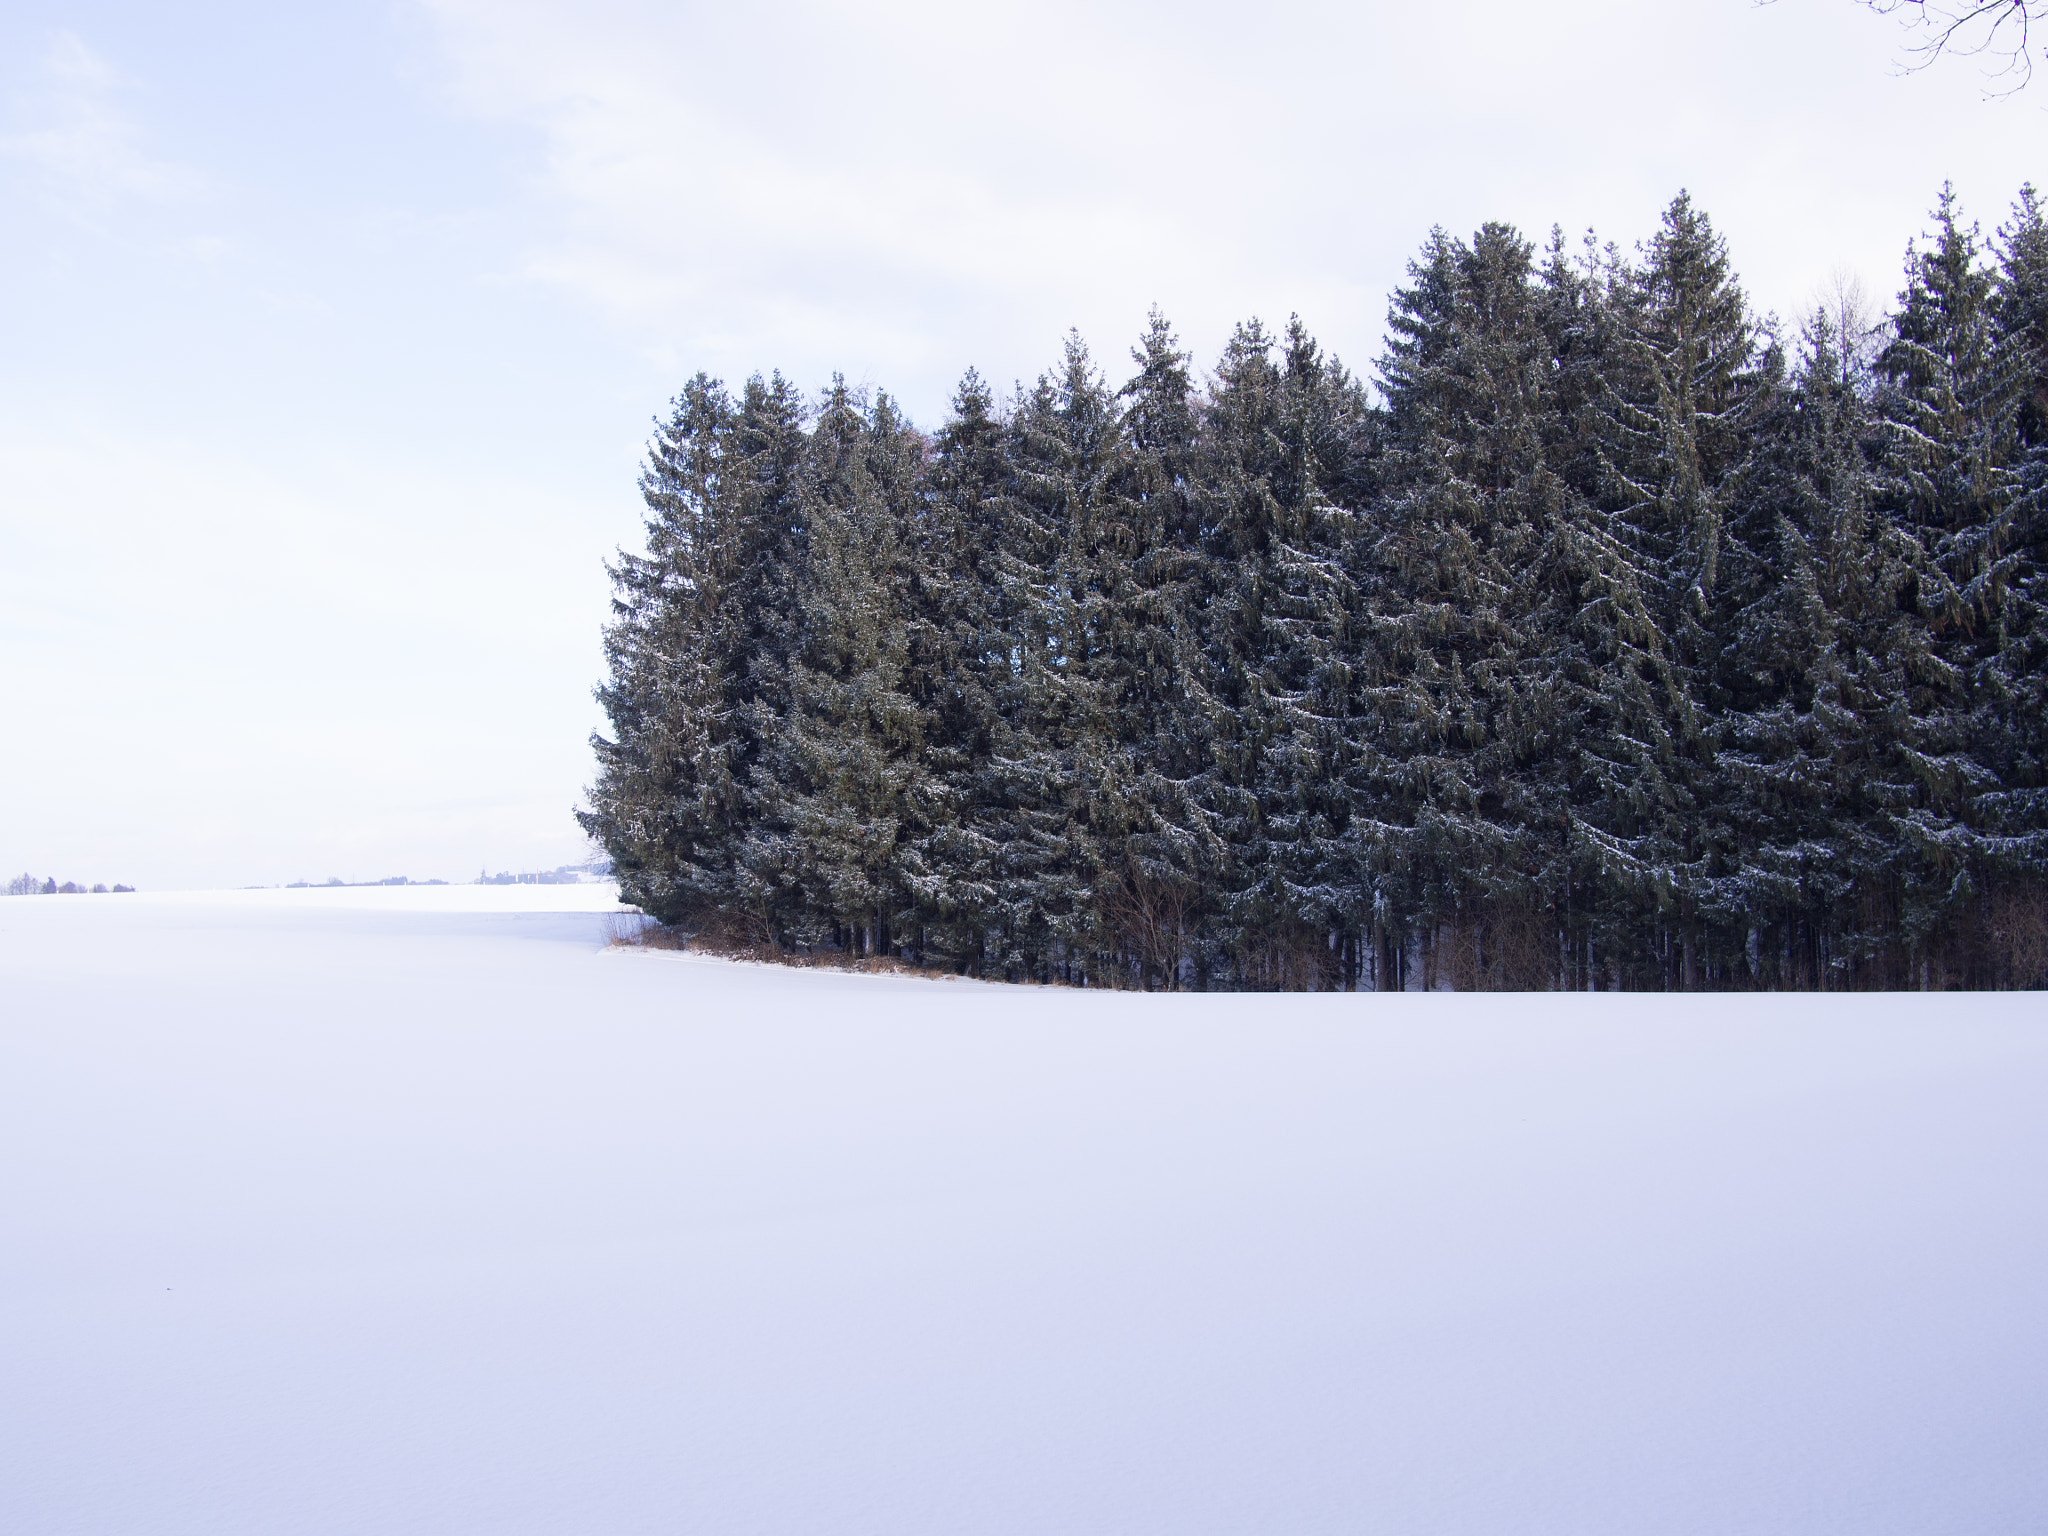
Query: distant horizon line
{"points": [[588, 872]]}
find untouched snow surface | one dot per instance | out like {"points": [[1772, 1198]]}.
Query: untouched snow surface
{"points": [[416, 1211]]}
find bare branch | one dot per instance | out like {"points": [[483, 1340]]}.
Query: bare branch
{"points": [[1971, 28]]}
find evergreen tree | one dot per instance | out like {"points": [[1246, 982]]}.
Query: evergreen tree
{"points": [[2020, 284], [960, 674], [1271, 593], [1952, 394], [836, 857], [764, 552], [1157, 895], [1817, 659], [667, 804], [1471, 656], [2013, 727], [1614, 649], [1072, 590], [1329, 438], [1686, 375]]}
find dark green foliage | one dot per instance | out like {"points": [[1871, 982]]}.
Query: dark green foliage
{"points": [[1620, 643], [1500, 596], [2016, 713], [1270, 603]]}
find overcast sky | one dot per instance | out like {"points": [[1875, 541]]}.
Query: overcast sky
{"points": [[329, 336]]}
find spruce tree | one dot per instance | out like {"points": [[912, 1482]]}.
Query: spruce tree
{"points": [[1158, 894], [845, 794], [1952, 393], [1686, 374], [1065, 438], [959, 673], [1272, 594], [2013, 714], [1474, 686], [667, 805], [1818, 653]]}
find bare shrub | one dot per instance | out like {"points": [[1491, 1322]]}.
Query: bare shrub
{"points": [[1516, 949], [728, 939], [2016, 927]]}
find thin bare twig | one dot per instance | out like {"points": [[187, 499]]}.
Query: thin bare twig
{"points": [[2002, 28]]}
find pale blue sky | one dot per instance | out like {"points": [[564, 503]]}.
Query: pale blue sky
{"points": [[329, 339]]}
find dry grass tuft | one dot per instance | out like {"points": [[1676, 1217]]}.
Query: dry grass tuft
{"points": [[638, 932]]}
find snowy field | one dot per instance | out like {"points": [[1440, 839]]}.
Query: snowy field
{"points": [[418, 1211]]}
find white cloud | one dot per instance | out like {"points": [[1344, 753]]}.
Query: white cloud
{"points": [[904, 188], [820, 186], [85, 152]]}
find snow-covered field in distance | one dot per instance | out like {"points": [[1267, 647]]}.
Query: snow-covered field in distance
{"points": [[590, 896], [415, 1210]]}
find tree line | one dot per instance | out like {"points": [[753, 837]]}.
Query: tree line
{"points": [[29, 885], [1612, 638]]}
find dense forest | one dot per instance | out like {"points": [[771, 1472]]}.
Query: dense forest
{"points": [[1615, 636]]}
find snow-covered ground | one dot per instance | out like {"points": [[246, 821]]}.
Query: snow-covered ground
{"points": [[416, 1211]]}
